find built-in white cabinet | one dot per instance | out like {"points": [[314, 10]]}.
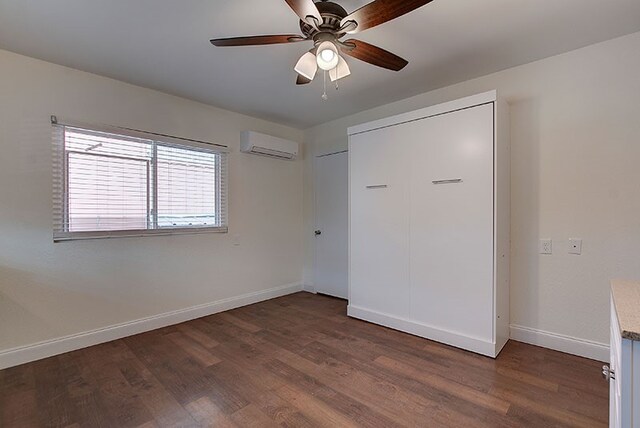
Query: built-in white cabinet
{"points": [[623, 371], [429, 223]]}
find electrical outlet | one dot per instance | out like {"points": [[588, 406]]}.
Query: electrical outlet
{"points": [[545, 246], [575, 246]]}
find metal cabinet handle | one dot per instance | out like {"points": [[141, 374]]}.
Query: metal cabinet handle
{"points": [[377, 186], [318, 232], [608, 374], [450, 181]]}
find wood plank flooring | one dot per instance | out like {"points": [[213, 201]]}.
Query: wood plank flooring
{"points": [[299, 361]]}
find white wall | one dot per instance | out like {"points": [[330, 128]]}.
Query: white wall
{"points": [[51, 290], [575, 156], [575, 137]]}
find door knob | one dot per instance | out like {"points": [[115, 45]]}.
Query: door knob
{"points": [[318, 232], [607, 373]]}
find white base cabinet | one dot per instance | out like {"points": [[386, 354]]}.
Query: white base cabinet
{"points": [[623, 374], [429, 223]]}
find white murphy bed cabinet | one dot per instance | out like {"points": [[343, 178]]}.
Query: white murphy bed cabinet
{"points": [[623, 371], [429, 223]]}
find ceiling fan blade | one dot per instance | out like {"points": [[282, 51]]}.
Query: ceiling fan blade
{"points": [[257, 40], [301, 80], [305, 8], [380, 11], [374, 55]]}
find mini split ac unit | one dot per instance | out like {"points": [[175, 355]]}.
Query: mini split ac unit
{"points": [[266, 145]]}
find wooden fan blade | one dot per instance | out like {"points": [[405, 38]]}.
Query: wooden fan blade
{"points": [[374, 55], [301, 80], [257, 40], [304, 8], [380, 11]]}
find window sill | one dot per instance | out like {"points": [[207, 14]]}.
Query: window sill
{"points": [[79, 236]]}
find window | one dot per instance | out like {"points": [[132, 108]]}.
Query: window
{"points": [[123, 184]]}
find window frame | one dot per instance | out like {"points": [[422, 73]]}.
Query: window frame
{"points": [[61, 230]]}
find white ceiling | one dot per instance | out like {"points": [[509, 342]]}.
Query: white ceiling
{"points": [[164, 45]]}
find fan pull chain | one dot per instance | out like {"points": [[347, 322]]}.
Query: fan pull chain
{"points": [[325, 97]]}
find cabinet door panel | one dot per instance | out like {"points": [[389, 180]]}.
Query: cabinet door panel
{"points": [[379, 224], [451, 242], [635, 384], [616, 367]]}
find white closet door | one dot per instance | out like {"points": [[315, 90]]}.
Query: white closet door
{"points": [[332, 201], [451, 244], [379, 224]]}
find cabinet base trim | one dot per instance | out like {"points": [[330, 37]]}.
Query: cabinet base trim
{"points": [[412, 327], [570, 345]]}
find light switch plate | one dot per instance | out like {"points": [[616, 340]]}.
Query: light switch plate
{"points": [[575, 246], [545, 246]]}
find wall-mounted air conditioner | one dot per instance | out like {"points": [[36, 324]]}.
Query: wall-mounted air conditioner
{"points": [[266, 145]]}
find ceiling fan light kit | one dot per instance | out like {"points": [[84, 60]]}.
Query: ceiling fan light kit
{"points": [[340, 71], [307, 66], [324, 23], [327, 56]]}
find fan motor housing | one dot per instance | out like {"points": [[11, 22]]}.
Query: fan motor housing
{"points": [[332, 14]]}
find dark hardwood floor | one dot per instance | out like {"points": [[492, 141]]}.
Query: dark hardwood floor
{"points": [[299, 361]]}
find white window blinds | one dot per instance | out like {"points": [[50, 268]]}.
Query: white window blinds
{"points": [[119, 183]]}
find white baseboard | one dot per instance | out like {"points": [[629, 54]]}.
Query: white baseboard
{"points": [[412, 327], [570, 345], [37, 351], [309, 288]]}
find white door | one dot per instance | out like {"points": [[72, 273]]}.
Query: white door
{"points": [[332, 219]]}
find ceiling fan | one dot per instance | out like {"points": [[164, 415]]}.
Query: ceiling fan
{"points": [[325, 23]]}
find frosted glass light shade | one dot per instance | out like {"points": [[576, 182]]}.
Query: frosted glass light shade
{"points": [[340, 71], [307, 66], [327, 57]]}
